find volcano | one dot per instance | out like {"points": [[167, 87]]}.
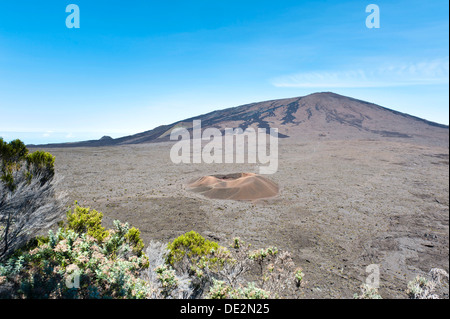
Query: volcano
{"points": [[316, 116], [238, 186]]}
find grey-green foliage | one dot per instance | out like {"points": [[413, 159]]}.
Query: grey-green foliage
{"points": [[426, 288], [170, 284], [12, 155], [67, 264], [234, 272], [419, 288], [29, 202], [368, 292]]}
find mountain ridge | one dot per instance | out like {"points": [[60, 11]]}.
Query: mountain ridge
{"points": [[317, 115]]}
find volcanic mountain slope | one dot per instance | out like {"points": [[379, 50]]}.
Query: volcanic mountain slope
{"points": [[316, 116]]}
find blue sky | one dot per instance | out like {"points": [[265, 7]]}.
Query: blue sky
{"points": [[134, 65]]}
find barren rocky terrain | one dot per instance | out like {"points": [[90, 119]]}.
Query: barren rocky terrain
{"points": [[343, 204]]}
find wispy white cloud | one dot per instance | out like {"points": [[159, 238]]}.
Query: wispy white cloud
{"points": [[405, 74]]}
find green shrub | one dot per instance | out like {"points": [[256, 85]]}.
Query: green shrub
{"points": [[42, 164], [134, 238], [298, 275], [11, 155], [15, 153], [167, 279], [261, 254], [29, 200], [84, 220], [8, 179], [89, 221], [220, 290], [67, 264], [367, 292], [12, 152], [192, 245]]}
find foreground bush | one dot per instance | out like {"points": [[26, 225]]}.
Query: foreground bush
{"points": [[214, 271], [367, 292], [85, 220], [29, 202], [83, 259], [71, 264], [424, 288], [418, 288], [190, 245]]}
